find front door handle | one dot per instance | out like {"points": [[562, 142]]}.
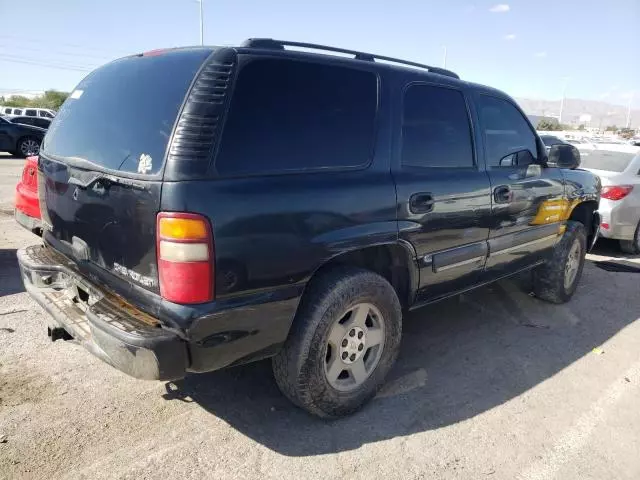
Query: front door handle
{"points": [[502, 194], [421, 203]]}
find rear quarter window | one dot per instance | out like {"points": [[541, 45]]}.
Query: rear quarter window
{"points": [[609, 161], [288, 116]]}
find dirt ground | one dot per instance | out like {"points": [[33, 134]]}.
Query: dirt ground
{"points": [[492, 384]]}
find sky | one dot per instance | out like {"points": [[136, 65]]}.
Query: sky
{"points": [[527, 48]]}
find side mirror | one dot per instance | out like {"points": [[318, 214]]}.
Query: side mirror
{"points": [[564, 156]]}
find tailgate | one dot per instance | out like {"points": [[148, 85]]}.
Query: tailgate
{"points": [[109, 224]]}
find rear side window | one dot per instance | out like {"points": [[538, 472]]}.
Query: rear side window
{"points": [[509, 140], [23, 120], [435, 128], [291, 116], [121, 116], [41, 122], [606, 160]]}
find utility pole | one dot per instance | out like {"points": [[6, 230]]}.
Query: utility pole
{"points": [[564, 92], [444, 58], [628, 124], [201, 24]]}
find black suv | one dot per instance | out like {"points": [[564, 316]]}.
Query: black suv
{"points": [[207, 207]]}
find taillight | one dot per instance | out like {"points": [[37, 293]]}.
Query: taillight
{"points": [[185, 257], [30, 170], [616, 192]]}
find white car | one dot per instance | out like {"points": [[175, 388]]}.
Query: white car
{"points": [[27, 112], [618, 166]]}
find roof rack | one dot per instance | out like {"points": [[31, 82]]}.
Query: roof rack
{"points": [[270, 43]]}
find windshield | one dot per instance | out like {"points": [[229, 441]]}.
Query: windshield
{"points": [[121, 116], [606, 160]]}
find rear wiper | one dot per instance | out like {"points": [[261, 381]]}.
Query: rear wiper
{"points": [[92, 177]]}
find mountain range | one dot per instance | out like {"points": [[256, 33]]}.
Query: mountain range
{"points": [[603, 114]]}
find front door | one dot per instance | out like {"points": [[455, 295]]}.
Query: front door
{"points": [[527, 197], [444, 197]]}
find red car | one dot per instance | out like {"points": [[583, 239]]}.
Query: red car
{"points": [[27, 211]]}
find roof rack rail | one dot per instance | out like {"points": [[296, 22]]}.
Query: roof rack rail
{"points": [[270, 43]]}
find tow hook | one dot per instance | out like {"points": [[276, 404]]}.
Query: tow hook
{"points": [[58, 333]]}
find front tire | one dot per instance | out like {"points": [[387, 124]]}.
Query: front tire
{"points": [[343, 342], [28, 146], [557, 279]]}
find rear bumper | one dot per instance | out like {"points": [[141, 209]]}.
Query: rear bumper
{"points": [[107, 326], [30, 223], [621, 218]]}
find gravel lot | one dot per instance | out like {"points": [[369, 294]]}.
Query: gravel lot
{"points": [[492, 384]]}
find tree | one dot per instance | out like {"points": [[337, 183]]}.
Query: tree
{"points": [[52, 99], [18, 101], [547, 125], [611, 128], [581, 126]]}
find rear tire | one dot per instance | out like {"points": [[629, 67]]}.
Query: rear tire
{"points": [[343, 342], [557, 279], [632, 247]]}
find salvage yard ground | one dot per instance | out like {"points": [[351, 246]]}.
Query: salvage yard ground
{"points": [[491, 384]]}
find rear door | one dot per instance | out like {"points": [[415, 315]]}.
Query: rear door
{"points": [[527, 199], [101, 162], [444, 202]]}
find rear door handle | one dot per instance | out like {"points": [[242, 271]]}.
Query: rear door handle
{"points": [[502, 194], [421, 202]]}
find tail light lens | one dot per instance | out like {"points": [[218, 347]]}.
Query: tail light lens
{"points": [[29, 171], [185, 257], [616, 192]]}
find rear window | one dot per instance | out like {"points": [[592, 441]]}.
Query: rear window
{"points": [[121, 116], [605, 160], [292, 116]]}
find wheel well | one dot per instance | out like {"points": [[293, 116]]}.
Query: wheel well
{"points": [[389, 261], [583, 213]]}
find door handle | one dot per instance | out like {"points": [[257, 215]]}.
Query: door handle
{"points": [[421, 203], [502, 194]]}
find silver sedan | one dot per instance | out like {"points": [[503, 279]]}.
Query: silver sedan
{"points": [[618, 166]]}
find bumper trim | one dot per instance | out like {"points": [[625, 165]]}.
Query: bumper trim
{"points": [[114, 331], [30, 223]]}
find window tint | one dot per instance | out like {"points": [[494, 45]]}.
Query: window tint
{"points": [[121, 116], [435, 128], [23, 120], [31, 113], [290, 116], [17, 111], [44, 114], [509, 140]]}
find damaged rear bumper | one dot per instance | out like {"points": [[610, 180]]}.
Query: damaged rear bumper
{"points": [[110, 328]]}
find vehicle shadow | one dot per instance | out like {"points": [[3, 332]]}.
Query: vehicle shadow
{"points": [[614, 260], [459, 358], [10, 279]]}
